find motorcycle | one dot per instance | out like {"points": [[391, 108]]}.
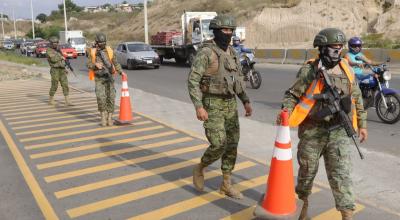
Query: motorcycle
{"points": [[377, 93], [250, 74]]}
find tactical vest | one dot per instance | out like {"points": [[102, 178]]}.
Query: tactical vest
{"points": [[307, 102], [227, 80], [93, 52], [53, 52]]}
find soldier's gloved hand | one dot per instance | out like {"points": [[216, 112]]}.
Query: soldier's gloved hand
{"points": [[201, 114], [248, 108]]}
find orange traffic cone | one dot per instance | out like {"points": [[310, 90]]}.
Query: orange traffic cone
{"points": [[125, 111], [280, 201]]}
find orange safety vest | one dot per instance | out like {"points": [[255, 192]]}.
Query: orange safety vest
{"points": [[93, 52], [307, 101]]}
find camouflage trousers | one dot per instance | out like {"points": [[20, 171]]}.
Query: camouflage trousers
{"points": [[334, 146], [105, 93], [222, 131], [58, 75]]}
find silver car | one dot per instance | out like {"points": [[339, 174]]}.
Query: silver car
{"points": [[137, 54], [8, 45]]}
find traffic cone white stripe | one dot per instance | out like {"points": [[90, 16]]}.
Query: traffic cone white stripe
{"points": [[124, 84], [282, 154], [283, 135], [125, 94]]}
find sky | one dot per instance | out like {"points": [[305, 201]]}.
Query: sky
{"points": [[22, 7]]}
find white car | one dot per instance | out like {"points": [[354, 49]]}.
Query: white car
{"points": [[8, 45], [137, 54]]}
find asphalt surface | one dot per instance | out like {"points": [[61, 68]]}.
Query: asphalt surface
{"points": [[142, 172], [171, 81]]}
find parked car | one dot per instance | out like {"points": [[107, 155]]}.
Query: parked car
{"points": [[17, 43], [41, 49], [27, 48], [8, 45], [137, 54], [68, 51]]}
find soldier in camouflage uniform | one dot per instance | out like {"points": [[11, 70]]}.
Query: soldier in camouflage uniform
{"points": [[57, 71], [315, 138], [105, 66], [214, 81]]}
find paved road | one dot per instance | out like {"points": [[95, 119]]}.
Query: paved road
{"points": [[76, 169], [170, 81]]}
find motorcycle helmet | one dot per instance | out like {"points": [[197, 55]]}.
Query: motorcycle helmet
{"points": [[236, 41], [355, 45]]}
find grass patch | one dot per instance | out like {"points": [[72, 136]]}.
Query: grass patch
{"points": [[378, 41], [16, 58]]}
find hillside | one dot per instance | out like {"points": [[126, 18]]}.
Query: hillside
{"points": [[269, 23]]}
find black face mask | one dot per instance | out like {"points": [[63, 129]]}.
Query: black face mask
{"points": [[222, 39], [330, 57]]}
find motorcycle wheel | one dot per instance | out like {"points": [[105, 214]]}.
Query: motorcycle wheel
{"points": [[392, 114], [256, 80]]}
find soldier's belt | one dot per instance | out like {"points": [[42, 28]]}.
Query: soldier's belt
{"points": [[222, 96], [322, 123]]}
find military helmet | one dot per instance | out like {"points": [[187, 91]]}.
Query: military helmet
{"points": [[100, 38], [53, 40], [223, 21], [329, 36]]}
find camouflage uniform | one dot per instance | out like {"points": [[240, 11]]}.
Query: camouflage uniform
{"points": [[316, 140], [211, 67], [104, 82], [57, 71]]}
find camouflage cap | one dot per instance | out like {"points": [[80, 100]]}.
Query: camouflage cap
{"points": [[53, 39], [100, 38], [329, 36], [223, 21]]}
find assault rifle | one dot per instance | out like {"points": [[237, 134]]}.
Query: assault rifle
{"points": [[337, 106], [67, 63], [107, 63]]}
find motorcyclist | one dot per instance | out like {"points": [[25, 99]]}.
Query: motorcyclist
{"points": [[355, 48], [239, 47]]}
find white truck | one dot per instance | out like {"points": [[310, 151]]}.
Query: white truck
{"points": [[75, 39], [194, 28]]}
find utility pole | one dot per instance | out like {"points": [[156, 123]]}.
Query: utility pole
{"points": [[65, 21], [2, 24], [146, 31], [15, 26], [33, 23]]}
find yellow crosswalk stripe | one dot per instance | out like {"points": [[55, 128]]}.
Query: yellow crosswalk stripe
{"points": [[40, 197], [93, 137], [29, 96], [197, 201], [32, 103], [110, 153], [333, 214], [91, 109], [18, 94], [124, 179], [48, 109], [113, 165], [248, 212], [45, 137], [242, 215], [101, 145], [49, 118], [63, 122], [57, 128], [129, 197]]}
